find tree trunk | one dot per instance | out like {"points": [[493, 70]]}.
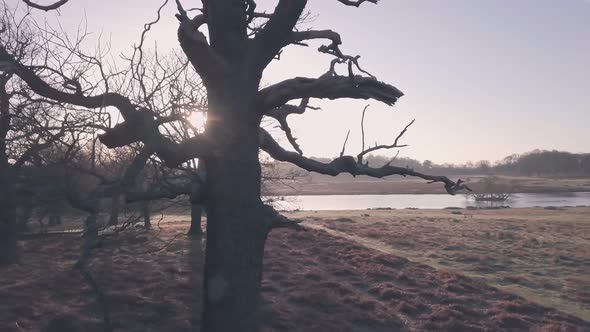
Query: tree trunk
{"points": [[8, 227], [195, 263], [90, 235], [196, 207], [115, 204], [145, 211], [26, 211], [236, 229], [196, 213]]}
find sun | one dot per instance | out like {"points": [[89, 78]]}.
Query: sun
{"points": [[198, 119]]}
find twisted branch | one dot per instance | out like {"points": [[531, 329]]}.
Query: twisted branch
{"points": [[376, 147], [326, 87], [356, 3], [348, 164], [276, 33], [46, 8], [281, 114], [194, 43], [139, 124]]}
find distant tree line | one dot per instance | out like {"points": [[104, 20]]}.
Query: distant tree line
{"points": [[546, 163], [533, 163], [542, 163]]}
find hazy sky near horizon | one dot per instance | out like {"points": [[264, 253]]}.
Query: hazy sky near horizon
{"points": [[482, 78]]}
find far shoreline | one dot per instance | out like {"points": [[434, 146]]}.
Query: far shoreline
{"points": [[360, 193], [523, 185]]}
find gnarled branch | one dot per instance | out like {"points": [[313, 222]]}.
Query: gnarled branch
{"points": [[299, 37], [281, 114], [330, 87], [175, 154], [46, 8], [356, 3], [194, 44], [277, 32], [139, 124], [376, 147], [45, 90], [168, 191], [348, 164]]}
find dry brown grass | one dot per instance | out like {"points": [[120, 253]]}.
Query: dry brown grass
{"points": [[313, 281], [543, 255], [396, 185]]}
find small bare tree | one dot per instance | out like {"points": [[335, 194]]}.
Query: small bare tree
{"points": [[29, 125]]}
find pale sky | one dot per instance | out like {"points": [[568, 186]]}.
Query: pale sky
{"points": [[482, 78]]}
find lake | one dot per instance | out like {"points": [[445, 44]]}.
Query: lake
{"points": [[434, 201]]}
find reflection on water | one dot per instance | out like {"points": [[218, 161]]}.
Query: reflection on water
{"points": [[438, 201]]}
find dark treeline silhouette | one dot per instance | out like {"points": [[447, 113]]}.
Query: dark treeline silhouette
{"points": [[543, 163], [546, 163]]}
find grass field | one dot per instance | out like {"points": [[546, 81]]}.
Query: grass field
{"points": [[543, 255], [397, 270], [347, 185]]}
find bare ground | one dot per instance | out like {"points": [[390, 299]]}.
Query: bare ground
{"points": [[314, 281]]}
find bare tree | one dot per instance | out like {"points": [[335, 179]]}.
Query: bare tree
{"points": [[241, 44], [28, 126]]}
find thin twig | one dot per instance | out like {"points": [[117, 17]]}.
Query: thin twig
{"points": [[363, 128], [344, 145]]}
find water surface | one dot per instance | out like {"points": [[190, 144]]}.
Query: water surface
{"points": [[429, 201]]}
